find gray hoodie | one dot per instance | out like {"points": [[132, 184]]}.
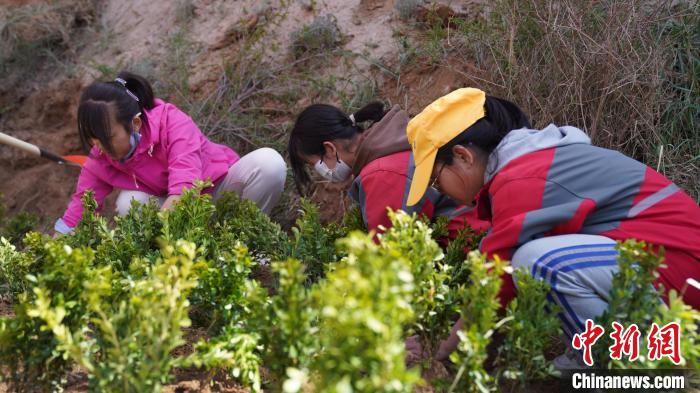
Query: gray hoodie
{"points": [[523, 141]]}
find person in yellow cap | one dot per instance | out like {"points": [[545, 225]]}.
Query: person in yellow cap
{"points": [[557, 204]]}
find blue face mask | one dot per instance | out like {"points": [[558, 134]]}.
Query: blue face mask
{"points": [[134, 140]]}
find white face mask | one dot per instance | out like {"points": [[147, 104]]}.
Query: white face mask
{"points": [[338, 174]]}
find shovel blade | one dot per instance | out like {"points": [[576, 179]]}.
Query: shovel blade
{"points": [[80, 160]]}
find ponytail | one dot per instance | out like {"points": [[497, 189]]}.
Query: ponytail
{"points": [[374, 111], [319, 123], [140, 87], [505, 116], [502, 116]]}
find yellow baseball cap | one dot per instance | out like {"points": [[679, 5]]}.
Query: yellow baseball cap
{"points": [[437, 125]]}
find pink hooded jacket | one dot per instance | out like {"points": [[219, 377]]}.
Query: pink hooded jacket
{"points": [[171, 154]]}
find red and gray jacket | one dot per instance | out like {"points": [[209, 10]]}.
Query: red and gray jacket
{"points": [[382, 167], [554, 182]]}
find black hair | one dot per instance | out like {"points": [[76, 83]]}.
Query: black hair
{"points": [[319, 123], [501, 117], [100, 99]]}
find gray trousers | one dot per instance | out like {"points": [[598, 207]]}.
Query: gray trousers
{"points": [[579, 269]]}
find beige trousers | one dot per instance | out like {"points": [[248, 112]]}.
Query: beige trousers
{"points": [[258, 176]]}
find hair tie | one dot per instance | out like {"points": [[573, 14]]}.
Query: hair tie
{"points": [[352, 119], [123, 83]]}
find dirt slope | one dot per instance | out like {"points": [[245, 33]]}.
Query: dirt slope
{"points": [[138, 32]]}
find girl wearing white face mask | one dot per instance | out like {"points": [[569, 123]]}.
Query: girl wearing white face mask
{"points": [[337, 147]]}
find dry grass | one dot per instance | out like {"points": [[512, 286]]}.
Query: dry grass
{"points": [[37, 43], [321, 35], [255, 98], [407, 9], [255, 103], [624, 71], [42, 24]]}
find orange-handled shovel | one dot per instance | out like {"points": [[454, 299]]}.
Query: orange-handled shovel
{"points": [[37, 151]]}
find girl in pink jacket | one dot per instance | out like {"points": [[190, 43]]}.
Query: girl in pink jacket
{"points": [[149, 149]]}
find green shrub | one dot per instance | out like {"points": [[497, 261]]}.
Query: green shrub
{"points": [[314, 243], [13, 228], [467, 239], [353, 220], [242, 218], [633, 299], [114, 300], [363, 303], [233, 352], [688, 319], [127, 345], [87, 283], [14, 267], [29, 354], [134, 235], [221, 293], [92, 228], [286, 322], [531, 326], [478, 311], [439, 227], [189, 219], [434, 303]]}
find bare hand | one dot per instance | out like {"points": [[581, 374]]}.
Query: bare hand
{"points": [[168, 204]]}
